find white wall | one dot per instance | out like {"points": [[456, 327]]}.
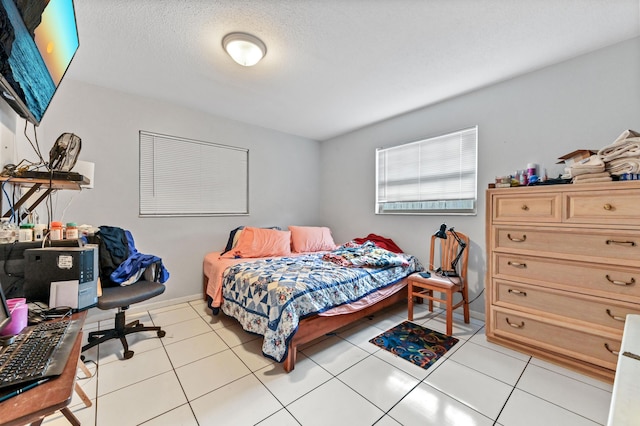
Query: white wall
{"points": [[283, 174], [582, 103]]}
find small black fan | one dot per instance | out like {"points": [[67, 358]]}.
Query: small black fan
{"points": [[64, 153]]}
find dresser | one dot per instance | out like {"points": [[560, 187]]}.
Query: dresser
{"points": [[563, 271]]}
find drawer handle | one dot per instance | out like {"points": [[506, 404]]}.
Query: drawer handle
{"points": [[514, 325], [615, 317], [518, 292], [606, 346], [622, 243], [608, 207], [616, 282], [517, 240], [525, 207], [517, 264]]}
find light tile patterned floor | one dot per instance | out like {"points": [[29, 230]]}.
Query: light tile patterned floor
{"points": [[207, 371]]}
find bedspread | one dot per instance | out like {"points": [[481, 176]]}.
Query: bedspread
{"points": [[271, 296]]}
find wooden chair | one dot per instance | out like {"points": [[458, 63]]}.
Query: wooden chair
{"points": [[424, 288]]}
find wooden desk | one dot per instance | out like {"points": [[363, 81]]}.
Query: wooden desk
{"points": [[33, 405]]}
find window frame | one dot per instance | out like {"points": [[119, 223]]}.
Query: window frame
{"points": [[196, 178], [407, 172]]}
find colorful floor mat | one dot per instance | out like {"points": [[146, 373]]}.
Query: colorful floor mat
{"points": [[415, 343]]}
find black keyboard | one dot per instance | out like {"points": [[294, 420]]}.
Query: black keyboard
{"points": [[38, 352]]}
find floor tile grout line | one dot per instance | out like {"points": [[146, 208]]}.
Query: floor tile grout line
{"points": [[175, 373], [367, 356], [514, 387]]}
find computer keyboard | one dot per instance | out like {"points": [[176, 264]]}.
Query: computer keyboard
{"points": [[38, 351]]}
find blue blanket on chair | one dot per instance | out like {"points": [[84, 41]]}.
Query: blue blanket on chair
{"points": [[137, 262], [133, 264]]}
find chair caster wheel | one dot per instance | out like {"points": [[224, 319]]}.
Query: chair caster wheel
{"points": [[161, 333], [128, 354]]}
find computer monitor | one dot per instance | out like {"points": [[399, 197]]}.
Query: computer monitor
{"points": [[5, 314]]}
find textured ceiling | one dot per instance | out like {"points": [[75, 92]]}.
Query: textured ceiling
{"points": [[333, 66]]}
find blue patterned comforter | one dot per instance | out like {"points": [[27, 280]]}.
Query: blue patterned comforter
{"points": [[271, 296]]}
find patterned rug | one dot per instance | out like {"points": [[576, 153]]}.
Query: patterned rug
{"points": [[415, 343]]}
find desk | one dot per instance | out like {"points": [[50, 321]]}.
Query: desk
{"points": [[33, 405]]}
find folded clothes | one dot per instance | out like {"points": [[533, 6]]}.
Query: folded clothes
{"points": [[621, 166], [591, 176], [592, 164], [592, 180], [626, 145]]}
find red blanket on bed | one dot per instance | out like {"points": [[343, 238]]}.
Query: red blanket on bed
{"points": [[382, 242]]}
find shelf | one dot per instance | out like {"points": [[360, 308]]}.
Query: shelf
{"points": [[49, 185]]}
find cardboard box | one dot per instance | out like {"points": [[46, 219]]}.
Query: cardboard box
{"points": [[575, 156]]}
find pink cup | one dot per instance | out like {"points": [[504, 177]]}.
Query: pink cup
{"points": [[19, 316]]}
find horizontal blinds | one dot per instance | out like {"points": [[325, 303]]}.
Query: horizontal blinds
{"points": [[182, 177], [432, 175]]}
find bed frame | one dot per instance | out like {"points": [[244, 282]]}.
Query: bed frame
{"points": [[316, 326]]}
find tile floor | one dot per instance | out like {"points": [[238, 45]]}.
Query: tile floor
{"points": [[207, 371]]}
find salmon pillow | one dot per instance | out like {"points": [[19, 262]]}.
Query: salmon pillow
{"points": [[259, 242], [306, 239]]}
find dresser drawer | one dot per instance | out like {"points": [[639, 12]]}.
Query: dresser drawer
{"points": [[567, 306], [609, 281], [616, 207], [614, 246], [580, 343], [531, 208]]}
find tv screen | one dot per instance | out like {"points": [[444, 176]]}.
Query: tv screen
{"points": [[38, 39]]}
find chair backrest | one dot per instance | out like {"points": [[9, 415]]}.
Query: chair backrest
{"points": [[449, 249]]}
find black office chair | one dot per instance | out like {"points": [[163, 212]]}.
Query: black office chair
{"points": [[121, 298], [116, 263]]}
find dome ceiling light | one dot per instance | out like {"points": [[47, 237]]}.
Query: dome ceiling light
{"points": [[245, 49]]}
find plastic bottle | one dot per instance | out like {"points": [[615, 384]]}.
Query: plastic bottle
{"points": [[25, 234], [72, 231], [523, 177], [8, 231], [38, 231], [5, 232], [55, 231]]}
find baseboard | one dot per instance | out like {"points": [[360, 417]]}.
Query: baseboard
{"points": [[95, 314]]}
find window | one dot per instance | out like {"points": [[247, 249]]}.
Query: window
{"points": [[436, 175], [183, 177]]}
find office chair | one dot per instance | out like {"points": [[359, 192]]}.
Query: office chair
{"points": [[448, 279], [120, 261]]}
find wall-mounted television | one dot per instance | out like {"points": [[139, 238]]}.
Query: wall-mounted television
{"points": [[38, 40]]}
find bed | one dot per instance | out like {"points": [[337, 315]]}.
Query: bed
{"points": [[294, 286]]}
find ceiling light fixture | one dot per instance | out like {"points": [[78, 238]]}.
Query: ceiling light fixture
{"points": [[245, 49]]}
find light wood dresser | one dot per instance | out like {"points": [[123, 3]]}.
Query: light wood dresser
{"points": [[563, 271]]}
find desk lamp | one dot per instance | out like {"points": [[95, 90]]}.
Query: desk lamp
{"points": [[441, 233]]}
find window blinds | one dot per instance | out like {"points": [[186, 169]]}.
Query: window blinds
{"points": [[435, 175], [183, 177]]}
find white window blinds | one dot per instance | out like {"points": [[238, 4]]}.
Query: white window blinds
{"points": [[435, 175], [183, 177]]}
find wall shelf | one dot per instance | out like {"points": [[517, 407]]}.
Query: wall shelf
{"points": [[34, 185]]}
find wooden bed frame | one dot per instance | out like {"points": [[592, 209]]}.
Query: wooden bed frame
{"points": [[316, 326]]}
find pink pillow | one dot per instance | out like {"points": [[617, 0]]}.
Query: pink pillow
{"points": [[258, 242], [311, 238]]}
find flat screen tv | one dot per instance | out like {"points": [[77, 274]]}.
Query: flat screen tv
{"points": [[38, 40]]}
